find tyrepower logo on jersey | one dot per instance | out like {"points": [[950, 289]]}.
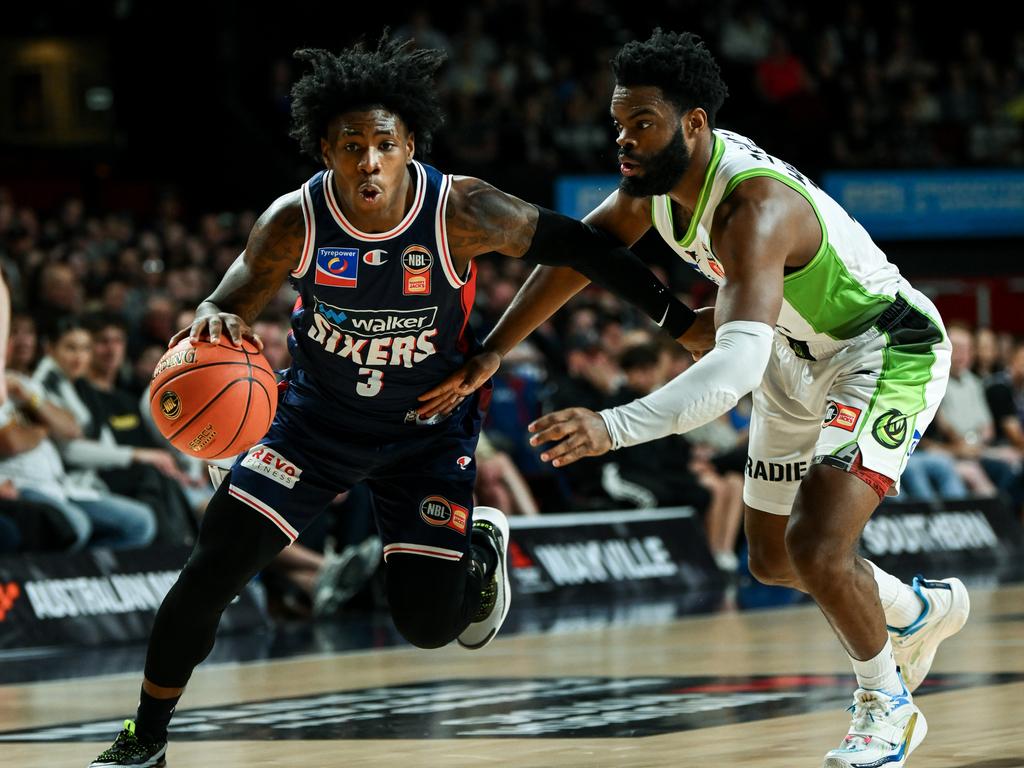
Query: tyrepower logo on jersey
{"points": [[776, 471], [337, 267], [841, 416], [273, 465], [416, 263], [441, 513], [377, 322]]}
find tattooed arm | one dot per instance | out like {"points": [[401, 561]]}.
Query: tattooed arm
{"points": [[481, 219], [272, 251]]}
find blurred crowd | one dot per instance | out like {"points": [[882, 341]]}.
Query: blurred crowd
{"points": [[824, 86], [97, 294]]}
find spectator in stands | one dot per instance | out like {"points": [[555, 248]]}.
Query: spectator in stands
{"points": [[126, 521], [499, 483], [116, 413], [987, 360], [1005, 396], [964, 423], [668, 472], [22, 344], [274, 336]]}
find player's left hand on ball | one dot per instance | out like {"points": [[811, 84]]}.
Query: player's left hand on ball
{"points": [[579, 432]]}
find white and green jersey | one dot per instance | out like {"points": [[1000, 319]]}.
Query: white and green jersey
{"points": [[838, 295]]}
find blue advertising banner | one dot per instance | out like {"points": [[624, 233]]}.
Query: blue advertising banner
{"points": [[576, 196], [898, 205]]}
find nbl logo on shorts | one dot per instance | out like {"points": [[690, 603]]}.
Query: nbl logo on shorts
{"points": [[437, 511]]}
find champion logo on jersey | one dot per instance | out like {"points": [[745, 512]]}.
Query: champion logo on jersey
{"points": [[338, 267], [375, 258]]}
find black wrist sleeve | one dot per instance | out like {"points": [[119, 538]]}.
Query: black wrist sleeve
{"points": [[564, 242]]}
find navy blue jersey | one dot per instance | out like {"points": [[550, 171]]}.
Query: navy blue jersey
{"points": [[383, 317]]}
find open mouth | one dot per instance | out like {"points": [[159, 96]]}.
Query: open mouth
{"points": [[369, 194], [628, 168]]}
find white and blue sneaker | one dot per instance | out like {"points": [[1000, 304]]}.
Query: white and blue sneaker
{"points": [[946, 608], [883, 732]]}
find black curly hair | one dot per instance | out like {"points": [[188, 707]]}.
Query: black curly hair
{"points": [[679, 64], [394, 77]]}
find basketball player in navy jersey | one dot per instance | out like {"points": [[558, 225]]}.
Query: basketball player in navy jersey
{"points": [[380, 248]]}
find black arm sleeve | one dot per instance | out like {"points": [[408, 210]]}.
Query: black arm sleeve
{"points": [[564, 242]]}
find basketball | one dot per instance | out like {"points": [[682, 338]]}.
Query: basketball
{"points": [[213, 401]]}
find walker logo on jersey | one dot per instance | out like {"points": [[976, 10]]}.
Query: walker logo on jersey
{"points": [[170, 405], [841, 416], [375, 258], [776, 471], [441, 513], [416, 263], [890, 429], [370, 323], [464, 461], [337, 267], [271, 464], [8, 594]]}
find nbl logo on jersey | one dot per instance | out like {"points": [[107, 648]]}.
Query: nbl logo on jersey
{"points": [[337, 267], [416, 263]]}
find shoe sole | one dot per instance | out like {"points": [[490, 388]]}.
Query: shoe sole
{"points": [[161, 761], [501, 521], [947, 626], [920, 731]]}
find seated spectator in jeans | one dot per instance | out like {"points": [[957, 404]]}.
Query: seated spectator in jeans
{"points": [[963, 425], [931, 476], [499, 482], [1005, 395], [116, 413], [29, 459]]}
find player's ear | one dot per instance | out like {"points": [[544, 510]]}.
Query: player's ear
{"points": [[410, 147], [325, 151], [694, 120]]}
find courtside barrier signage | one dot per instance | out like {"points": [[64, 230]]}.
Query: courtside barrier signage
{"points": [[980, 536], [639, 553], [97, 597]]}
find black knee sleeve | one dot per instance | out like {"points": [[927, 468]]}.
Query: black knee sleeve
{"points": [[235, 543], [432, 600]]}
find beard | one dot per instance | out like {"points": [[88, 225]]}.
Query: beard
{"points": [[661, 171]]}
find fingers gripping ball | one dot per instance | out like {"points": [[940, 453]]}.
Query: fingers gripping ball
{"points": [[213, 401]]}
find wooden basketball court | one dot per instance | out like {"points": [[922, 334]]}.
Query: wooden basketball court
{"points": [[716, 690]]}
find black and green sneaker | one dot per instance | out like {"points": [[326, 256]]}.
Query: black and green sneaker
{"points": [[496, 594], [129, 751]]}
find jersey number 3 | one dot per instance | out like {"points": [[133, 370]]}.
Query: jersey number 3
{"points": [[372, 385]]}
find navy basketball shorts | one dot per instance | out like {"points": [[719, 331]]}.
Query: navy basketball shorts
{"points": [[422, 485]]}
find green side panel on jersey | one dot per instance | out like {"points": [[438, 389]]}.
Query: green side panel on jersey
{"points": [[824, 292], [702, 199]]}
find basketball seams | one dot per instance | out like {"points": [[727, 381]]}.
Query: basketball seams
{"points": [[210, 402]]}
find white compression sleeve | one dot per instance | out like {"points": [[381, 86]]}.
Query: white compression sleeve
{"points": [[699, 394]]}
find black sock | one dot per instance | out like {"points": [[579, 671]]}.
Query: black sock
{"points": [[153, 717]]}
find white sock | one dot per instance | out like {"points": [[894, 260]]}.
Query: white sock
{"points": [[900, 602], [879, 673]]}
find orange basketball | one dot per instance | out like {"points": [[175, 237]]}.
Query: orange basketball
{"points": [[213, 401]]}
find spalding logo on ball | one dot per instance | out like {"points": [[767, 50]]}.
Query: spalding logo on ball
{"points": [[213, 401]]}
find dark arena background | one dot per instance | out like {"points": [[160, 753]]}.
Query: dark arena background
{"points": [[140, 141]]}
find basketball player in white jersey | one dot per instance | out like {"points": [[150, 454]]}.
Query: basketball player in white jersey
{"points": [[847, 363]]}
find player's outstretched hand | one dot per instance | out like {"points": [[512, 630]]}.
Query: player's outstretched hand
{"points": [[579, 431], [459, 385], [214, 324], [699, 338]]}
